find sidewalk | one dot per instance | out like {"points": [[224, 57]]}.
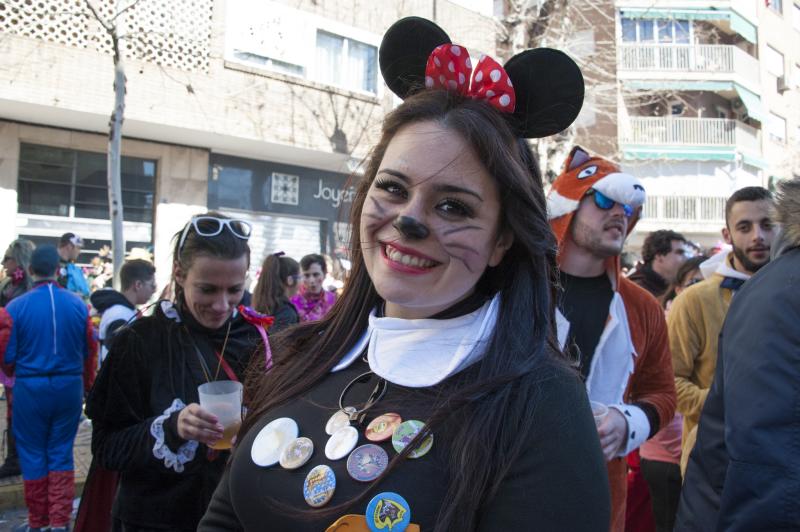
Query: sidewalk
{"points": [[11, 491]]}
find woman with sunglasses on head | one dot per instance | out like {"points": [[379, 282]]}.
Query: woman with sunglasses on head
{"points": [[278, 282], [432, 396], [147, 424]]}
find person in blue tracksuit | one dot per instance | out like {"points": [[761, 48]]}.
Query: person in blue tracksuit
{"points": [[51, 351]]}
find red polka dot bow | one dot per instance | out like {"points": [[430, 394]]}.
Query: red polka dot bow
{"points": [[449, 67]]}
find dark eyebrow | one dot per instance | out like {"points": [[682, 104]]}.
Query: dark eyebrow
{"points": [[439, 188], [395, 173], [455, 189]]}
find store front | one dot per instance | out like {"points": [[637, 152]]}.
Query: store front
{"points": [[293, 209]]}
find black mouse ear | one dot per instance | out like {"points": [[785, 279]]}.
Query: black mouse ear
{"points": [[549, 90], [404, 53]]}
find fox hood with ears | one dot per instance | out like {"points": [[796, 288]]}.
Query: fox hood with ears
{"points": [[581, 173]]}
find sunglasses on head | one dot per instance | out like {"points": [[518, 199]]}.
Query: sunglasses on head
{"points": [[212, 226], [604, 202]]}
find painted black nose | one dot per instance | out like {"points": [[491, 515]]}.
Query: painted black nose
{"points": [[411, 228]]}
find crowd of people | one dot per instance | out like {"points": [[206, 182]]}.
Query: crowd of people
{"points": [[489, 365]]}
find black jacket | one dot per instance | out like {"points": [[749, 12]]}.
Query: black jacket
{"points": [[285, 315], [744, 472], [647, 278], [153, 363]]}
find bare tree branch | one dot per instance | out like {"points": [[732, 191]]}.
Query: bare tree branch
{"points": [[123, 10], [108, 26]]}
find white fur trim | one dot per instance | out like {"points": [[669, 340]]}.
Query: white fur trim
{"points": [[558, 205], [638, 427]]}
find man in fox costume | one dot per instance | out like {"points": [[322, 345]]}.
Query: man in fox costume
{"points": [[615, 329]]}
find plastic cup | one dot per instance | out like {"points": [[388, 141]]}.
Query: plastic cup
{"points": [[599, 410], [224, 400]]}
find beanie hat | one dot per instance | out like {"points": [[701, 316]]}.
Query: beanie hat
{"points": [[44, 260]]}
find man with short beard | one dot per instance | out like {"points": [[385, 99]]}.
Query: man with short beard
{"points": [[696, 316], [743, 472], [614, 329]]}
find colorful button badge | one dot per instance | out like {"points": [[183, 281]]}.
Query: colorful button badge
{"points": [[404, 435], [319, 486], [297, 453], [367, 462], [382, 427], [388, 512], [271, 440]]}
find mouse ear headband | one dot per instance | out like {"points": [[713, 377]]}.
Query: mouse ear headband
{"points": [[539, 91]]}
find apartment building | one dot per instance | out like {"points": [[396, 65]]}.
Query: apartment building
{"points": [[258, 108], [709, 102]]}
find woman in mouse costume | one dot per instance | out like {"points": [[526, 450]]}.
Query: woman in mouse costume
{"points": [[432, 397]]}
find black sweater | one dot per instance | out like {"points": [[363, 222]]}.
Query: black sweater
{"points": [[152, 363], [559, 483]]}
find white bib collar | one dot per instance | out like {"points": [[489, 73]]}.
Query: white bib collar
{"points": [[421, 353]]}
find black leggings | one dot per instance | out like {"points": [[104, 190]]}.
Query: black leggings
{"points": [[664, 481]]}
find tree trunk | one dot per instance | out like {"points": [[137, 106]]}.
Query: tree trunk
{"points": [[115, 166]]}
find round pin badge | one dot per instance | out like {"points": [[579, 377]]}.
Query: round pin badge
{"points": [[341, 443], [319, 486], [406, 432], [366, 463], [382, 427], [388, 511], [338, 420], [297, 453], [269, 444]]}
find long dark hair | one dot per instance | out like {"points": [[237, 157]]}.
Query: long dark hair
{"points": [[502, 387], [269, 293]]}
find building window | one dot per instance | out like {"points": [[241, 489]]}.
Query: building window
{"points": [[776, 127], [774, 61], [63, 182], [796, 16], [775, 5], [346, 63], [269, 63], [628, 30], [662, 31]]}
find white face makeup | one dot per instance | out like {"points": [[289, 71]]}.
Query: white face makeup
{"points": [[430, 180], [313, 277]]}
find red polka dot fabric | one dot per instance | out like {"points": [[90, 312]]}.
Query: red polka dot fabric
{"points": [[450, 67]]}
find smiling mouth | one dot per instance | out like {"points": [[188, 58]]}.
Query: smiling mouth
{"points": [[408, 259]]}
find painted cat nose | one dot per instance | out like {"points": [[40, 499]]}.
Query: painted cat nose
{"points": [[411, 228]]}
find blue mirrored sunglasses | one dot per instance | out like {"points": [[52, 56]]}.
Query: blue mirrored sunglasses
{"points": [[604, 202]]}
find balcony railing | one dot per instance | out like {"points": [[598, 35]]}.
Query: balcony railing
{"points": [[702, 58], [685, 209], [677, 131]]}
